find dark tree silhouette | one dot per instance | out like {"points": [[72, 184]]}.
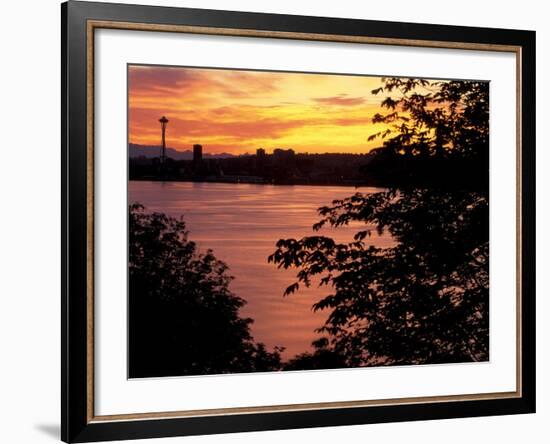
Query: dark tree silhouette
{"points": [[437, 135], [183, 319], [425, 299], [323, 357]]}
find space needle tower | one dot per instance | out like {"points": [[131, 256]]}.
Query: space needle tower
{"points": [[163, 121]]}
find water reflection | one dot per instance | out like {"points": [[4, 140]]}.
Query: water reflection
{"points": [[241, 223]]}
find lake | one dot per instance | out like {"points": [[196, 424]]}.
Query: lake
{"points": [[241, 224]]}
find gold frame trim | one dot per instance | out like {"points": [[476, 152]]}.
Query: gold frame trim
{"points": [[92, 25]]}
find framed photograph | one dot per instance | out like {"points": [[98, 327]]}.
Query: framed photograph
{"points": [[275, 221]]}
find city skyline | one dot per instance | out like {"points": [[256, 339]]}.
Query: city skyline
{"points": [[237, 111]]}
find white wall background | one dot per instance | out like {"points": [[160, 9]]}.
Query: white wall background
{"points": [[30, 209]]}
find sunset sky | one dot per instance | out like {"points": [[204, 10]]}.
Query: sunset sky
{"points": [[238, 111]]}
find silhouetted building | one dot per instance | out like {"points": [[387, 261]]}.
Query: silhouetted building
{"points": [[197, 153], [283, 157], [197, 157], [260, 159]]}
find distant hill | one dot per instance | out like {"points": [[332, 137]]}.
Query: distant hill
{"points": [[149, 151]]}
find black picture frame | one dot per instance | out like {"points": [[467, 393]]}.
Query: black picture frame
{"points": [[77, 425]]}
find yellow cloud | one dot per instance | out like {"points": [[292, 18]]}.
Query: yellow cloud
{"points": [[239, 111]]}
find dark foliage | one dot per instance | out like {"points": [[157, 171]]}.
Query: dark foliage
{"points": [[322, 358], [425, 299], [438, 135], [183, 318]]}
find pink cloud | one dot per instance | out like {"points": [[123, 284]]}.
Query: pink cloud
{"points": [[340, 100]]}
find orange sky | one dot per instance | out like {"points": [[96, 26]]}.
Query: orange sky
{"points": [[239, 111]]}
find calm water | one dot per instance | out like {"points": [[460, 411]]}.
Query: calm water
{"points": [[241, 223]]}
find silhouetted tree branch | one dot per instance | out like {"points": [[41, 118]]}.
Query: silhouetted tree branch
{"points": [[183, 319], [425, 299]]}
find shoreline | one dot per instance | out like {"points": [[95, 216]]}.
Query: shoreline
{"points": [[254, 182]]}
